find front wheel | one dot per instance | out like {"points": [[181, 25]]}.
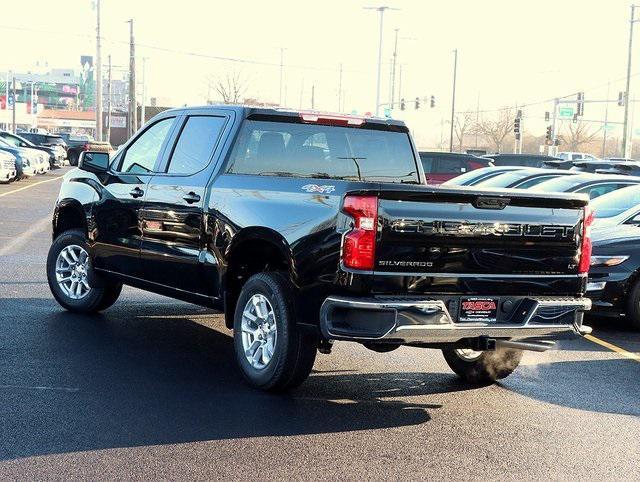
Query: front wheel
{"points": [[482, 367], [633, 307], [71, 280], [271, 351]]}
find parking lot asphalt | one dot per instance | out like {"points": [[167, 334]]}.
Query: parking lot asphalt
{"points": [[149, 389]]}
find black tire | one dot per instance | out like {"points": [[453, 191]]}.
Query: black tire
{"points": [[73, 158], [294, 352], [486, 368], [103, 293], [633, 307]]}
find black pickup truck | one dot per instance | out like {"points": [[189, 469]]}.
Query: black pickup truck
{"points": [[304, 228]]}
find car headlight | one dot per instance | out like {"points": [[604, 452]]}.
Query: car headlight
{"points": [[608, 260]]}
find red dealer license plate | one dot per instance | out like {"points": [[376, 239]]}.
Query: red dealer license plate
{"points": [[478, 309]]}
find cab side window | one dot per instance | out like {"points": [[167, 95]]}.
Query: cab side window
{"points": [[195, 145], [141, 156]]}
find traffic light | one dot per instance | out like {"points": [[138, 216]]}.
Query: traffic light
{"points": [[548, 136], [516, 126], [575, 118], [417, 103], [433, 101], [547, 116], [580, 109], [402, 104], [621, 97]]}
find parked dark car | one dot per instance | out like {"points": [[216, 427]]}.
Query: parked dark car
{"points": [[594, 166], [304, 228], [472, 178], [525, 160], [614, 284], [623, 168], [56, 154], [76, 144], [521, 178], [45, 139], [442, 166], [592, 184]]}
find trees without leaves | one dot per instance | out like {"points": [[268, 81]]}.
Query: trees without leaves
{"points": [[497, 129], [578, 134]]}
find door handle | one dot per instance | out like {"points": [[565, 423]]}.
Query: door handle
{"points": [[136, 192], [192, 197]]}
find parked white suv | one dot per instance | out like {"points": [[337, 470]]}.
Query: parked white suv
{"points": [[577, 156], [7, 167]]}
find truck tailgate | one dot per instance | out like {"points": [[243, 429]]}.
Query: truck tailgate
{"points": [[462, 240]]}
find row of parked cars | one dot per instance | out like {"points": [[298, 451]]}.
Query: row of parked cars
{"points": [[614, 277], [26, 154]]}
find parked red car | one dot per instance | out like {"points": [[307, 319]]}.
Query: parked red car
{"points": [[442, 166]]}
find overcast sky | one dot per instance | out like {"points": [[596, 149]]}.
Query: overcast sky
{"points": [[509, 51]]}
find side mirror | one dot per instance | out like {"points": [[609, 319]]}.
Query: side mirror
{"points": [[96, 162]]}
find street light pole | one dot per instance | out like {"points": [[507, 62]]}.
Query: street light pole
{"points": [[133, 108], [381, 11], [393, 69], [625, 128], [453, 97]]}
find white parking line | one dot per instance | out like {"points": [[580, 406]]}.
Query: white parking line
{"points": [[30, 185]]}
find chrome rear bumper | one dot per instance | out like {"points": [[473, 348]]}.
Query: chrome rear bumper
{"points": [[429, 320]]}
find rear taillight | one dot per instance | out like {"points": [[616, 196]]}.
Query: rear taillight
{"points": [[585, 248], [359, 244], [85, 147]]}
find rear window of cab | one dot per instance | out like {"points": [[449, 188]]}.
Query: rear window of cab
{"points": [[287, 149]]}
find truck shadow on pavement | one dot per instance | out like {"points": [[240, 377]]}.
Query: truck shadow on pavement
{"points": [[147, 374]]}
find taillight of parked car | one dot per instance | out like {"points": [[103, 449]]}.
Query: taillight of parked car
{"points": [[585, 250], [85, 147], [359, 244]]}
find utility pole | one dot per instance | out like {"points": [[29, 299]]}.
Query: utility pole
{"points": [[393, 68], [109, 103], [13, 114], [98, 76], [453, 97], [554, 132], [381, 11], [340, 90], [477, 118], [313, 97], [133, 114], [625, 128], [281, 74], [400, 81], [606, 119], [143, 113], [301, 92], [99, 127]]}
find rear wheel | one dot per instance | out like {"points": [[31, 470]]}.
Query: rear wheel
{"points": [[633, 307], [73, 158], [71, 279], [482, 367], [271, 351]]}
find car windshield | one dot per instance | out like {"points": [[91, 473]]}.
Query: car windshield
{"points": [[468, 177], [503, 180], [616, 202], [558, 184]]}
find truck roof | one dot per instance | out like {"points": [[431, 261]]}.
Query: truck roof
{"points": [[247, 111]]}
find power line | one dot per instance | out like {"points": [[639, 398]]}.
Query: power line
{"points": [[186, 52]]}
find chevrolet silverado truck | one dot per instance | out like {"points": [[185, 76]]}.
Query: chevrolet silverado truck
{"points": [[304, 228]]}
